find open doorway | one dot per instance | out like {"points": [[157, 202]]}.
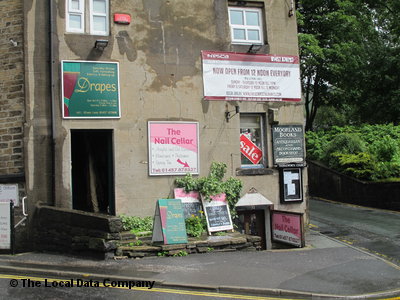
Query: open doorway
{"points": [[92, 163]]}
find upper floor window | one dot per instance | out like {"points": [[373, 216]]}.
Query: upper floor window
{"points": [[88, 16], [246, 25]]}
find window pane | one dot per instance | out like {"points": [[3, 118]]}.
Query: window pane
{"points": [[99, 23], [250, 127], [239, 34], [252, 18], [75, 21], [99, 6], [75, 5], [253, 35], [236, 17]]}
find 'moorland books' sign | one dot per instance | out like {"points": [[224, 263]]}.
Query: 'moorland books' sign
{"points": [[288, 145], [233, 76], [90, 89]]}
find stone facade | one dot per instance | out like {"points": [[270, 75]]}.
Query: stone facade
{"points": [[160, 69], [12, 110]]}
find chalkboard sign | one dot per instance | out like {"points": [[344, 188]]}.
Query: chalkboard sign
{"points": [[169, 223], [218, 216], [217, 213], [288, 145], [190, 202]]}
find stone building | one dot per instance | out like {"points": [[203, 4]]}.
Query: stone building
{"points": [[95, 156]]}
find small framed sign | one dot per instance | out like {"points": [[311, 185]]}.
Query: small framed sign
{"points": [[287, 228], [7, 227], [291, 185], [288, 146], [217, 214]]}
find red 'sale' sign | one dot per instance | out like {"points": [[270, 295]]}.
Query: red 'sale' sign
{"points": [[250, 150]]}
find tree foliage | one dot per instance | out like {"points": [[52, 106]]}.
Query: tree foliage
{"points": [[350, 58]]}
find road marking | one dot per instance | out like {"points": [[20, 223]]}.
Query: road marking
{"points": [[312, 226], [157, 290]]}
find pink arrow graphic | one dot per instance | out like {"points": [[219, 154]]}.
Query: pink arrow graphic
{"points": [[185, 164]]}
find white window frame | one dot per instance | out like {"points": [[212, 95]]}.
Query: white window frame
{"points": [[106, 15], [83, 13], [77, 12], [245, 27], [263, 161]]}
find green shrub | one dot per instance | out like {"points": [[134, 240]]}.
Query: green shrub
{"points": [[360, 165], [136, 224], [385, 149], [195, 226], [344, 143]]}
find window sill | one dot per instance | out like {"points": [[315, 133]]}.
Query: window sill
{"points": [[254, 172]]}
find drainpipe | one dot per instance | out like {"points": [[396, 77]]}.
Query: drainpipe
{"points": [[52, 98]]}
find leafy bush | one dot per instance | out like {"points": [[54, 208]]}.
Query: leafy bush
{"points": [[368, 152], [195, 226], [344, 143], [136, 224]]}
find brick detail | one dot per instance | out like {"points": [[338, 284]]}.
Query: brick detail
{"points": [[11, 87]]}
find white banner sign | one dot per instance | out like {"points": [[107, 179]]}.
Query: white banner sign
{"points": [[250, 77]]}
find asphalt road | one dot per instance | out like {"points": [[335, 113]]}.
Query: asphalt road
{"points": [[376, 231], [36, 288]]}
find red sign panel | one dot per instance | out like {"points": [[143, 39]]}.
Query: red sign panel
{"points": [[250, 150], [122, 19]]}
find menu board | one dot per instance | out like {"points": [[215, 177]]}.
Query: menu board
{"points": [[169, 223], [288, 145], [190, 202], [217, 213]]}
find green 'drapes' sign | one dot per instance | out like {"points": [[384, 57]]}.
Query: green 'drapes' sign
{"points": [[169, 222], [90, 89]]}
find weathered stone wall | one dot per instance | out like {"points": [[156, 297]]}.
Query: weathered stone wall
{"points": [[73, 231], [11, 88]]}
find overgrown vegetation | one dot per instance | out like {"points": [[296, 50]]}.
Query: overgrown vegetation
{"points": [[213, 184], [368, 152], [136, 224]]}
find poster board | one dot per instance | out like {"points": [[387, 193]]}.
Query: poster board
{"points": [[231, 76], [288, 145], [217, 214], [169, 224], [6, 226], [173, 148], [287, 228], [90, 89], [190, 202], [291, 188], [9, 192]]}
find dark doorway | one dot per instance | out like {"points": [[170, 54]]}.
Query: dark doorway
{"points": [[92, 163], [253, 222]]}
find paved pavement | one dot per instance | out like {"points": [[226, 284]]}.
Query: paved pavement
{"points": [[325, 269]]}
